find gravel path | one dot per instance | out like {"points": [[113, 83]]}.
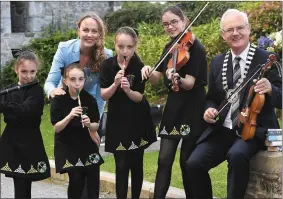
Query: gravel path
{"points": [[41, 189]]}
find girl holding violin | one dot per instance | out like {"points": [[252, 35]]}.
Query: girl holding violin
{"points": [[22, 153], [129, 126], [183, 112]]}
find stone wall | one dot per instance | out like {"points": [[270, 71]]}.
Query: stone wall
{"points": [[64, 13], [265, 176]]}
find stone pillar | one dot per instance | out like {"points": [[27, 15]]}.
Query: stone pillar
{"points": [[35, 21], [5, 17], [265, 176]]}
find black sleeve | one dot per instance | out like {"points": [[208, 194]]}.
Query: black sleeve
{"points": [[210, 97], [105, 80], [93, 112], [56, 112], [197, 54], [32, 106], [139, 85]]}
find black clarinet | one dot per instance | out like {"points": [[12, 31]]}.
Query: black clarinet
{"points": [[9, 90]]}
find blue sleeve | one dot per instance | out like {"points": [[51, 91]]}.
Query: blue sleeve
{"points": [[54, 75]]}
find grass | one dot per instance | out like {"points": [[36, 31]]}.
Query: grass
{"points": [[218, 174]]}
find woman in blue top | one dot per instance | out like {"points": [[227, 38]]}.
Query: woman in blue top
{"points": [[89, 50]]}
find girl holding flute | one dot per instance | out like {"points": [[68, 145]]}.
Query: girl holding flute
{"points": [[76, 140], [129, 127], [22, 153]]}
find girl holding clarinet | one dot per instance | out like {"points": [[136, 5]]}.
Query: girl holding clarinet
{"points": [[22, 153], [75, 119]]}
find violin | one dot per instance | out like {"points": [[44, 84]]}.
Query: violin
{"points": [[180, 56], [174, 87], [253, 105], [183, 47]]}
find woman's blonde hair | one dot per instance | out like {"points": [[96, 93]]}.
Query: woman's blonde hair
{"points": [[98, 55]]}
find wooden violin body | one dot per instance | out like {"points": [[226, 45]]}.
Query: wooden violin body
{"points": [[248, 116], [180, 55], [183, 47], [254, 104]]}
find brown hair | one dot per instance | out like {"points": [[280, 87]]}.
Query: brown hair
{"points": [[98, 55], [128, 31], [65, 70], [176, 10], [26, 55]]}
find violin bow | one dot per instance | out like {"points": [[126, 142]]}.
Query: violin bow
{"points": [[177, 40]]}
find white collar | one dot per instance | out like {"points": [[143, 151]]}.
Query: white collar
{"points": [[243, 55]]}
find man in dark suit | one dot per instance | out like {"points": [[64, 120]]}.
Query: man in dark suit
{"points": [[222, 140]]}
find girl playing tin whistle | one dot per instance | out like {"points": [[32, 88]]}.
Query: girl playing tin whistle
{"points": [[76, 140]]}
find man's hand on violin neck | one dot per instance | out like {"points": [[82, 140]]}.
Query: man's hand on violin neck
{"points": [[210, 115], [263, 86]]}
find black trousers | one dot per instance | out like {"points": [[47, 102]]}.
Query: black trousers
{"points": [[88, 178], [126, 161], [22, 188], [166, 158], [222, 144]]}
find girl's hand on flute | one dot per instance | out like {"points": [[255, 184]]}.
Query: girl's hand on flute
{"points": [[86, 121], [75, 112], [118, 77]]}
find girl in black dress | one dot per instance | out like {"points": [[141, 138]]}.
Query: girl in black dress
{"points": [[129, 127], [22, 153], [75, 119], [183, 112]]}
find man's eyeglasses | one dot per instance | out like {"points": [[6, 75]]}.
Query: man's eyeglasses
{"points": [[239, 29], [174, 22]]}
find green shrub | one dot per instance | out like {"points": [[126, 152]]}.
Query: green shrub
{"points": [[264, 17], [133, 14], [209, 35], [8, 76]]}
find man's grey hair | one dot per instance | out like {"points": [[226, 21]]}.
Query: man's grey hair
{"points": [[230, 11]]}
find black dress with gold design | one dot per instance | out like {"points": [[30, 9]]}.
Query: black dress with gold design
{"points": [[74, 149], [184, 109], [22, 152], [129, 124]]}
